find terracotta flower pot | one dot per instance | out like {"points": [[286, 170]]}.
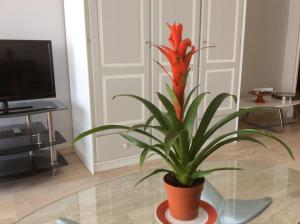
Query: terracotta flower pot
{"points": [[183, 201]]}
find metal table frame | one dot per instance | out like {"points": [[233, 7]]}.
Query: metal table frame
{"points": [[271, 104]]}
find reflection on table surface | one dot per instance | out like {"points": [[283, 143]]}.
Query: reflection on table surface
{"points": [[118, 201]]}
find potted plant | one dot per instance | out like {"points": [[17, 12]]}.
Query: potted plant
{"points": [[183, 148]]}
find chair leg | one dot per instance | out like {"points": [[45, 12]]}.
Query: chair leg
{"points": [[282, 124], [233, 211], [295, 112]]}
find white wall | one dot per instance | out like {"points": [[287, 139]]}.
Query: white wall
{"points": [[265, 38], [292, 49], [82, 109], [41, 19]]}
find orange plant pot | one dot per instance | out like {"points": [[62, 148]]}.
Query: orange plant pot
{"points": [[184, 201]]}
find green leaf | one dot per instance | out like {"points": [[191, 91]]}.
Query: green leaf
{"points": [[144, 145], [170, 139], [144, 126], [145, 152], [171, 111], [152, 108], [143, 156], [192, 113], [172, 95], [100, 129], [203, 173], [270, 135], [134, 140], [239, 135], [217, 144], [210, 112], [147, 123], [200, 139], [187, 99], [183, 79], [137, 130], [153, 173]]}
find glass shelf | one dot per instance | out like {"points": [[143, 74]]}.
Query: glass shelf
{"points": [[27, 143], [7, 131], [37, 107]]}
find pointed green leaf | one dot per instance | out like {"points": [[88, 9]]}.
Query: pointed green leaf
{"points": [[151, 107], [144, 155], [171, 94], [145, 152], [203, 173], [100, 129], [270, 135], [198, 140], [153, 173], [171, 115], [170, 139], [184, 78], [147, 123], [210, 112], [217, 144], [191, 114], [136, 129], [187, 99], [134, 140]]}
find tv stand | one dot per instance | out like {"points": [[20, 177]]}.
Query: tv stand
{"points": [[5, 107], [33, 150]]}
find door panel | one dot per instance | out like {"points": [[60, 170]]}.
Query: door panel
{"points": [[122, 110], [121, 32], [219, 81], [112, 147], [124, 60], [222, 30], [222, 26]]}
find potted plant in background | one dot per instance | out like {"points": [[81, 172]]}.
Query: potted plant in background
{"points": [[183, 148]]}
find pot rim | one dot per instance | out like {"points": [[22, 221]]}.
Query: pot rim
{"points": [[200, 181]]}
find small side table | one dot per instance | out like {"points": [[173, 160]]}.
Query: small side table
{"points": [[271, 104]]}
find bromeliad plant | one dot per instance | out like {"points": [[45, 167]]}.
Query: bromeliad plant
{"points": [[183, 148]]}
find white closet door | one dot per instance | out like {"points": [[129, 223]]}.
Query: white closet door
{"points": [[124, 68], [170, 11], [222, 24], [124, 60]]}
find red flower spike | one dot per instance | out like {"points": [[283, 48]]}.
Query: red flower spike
{"points": [[176, 35], [179, 58], [165, 70], [183, 46]]}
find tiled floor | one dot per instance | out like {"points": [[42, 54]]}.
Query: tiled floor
{"points": [[21, 197]]}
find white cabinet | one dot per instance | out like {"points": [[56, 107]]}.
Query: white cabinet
{"points": [[222, 25], [108, 56]]}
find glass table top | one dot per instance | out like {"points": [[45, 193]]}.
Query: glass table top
{"points": [[118, 201]]}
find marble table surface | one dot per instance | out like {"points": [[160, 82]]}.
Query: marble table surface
{"points": [[118, 201]]}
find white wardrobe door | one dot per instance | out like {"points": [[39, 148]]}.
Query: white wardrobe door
{"points": [[170, 11], [222, 24], [124, 26], [124, 68]]}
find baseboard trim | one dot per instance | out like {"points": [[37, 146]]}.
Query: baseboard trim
{"points": [[84, 161], [66, 149], [121, 162]]}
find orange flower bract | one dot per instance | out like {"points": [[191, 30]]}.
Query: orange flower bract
{"points": [[179, 55]]}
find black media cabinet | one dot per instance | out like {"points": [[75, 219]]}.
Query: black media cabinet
{"points": [[33, 150]]}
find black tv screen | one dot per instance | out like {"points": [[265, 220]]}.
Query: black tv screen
{"points": [[26, 70]]}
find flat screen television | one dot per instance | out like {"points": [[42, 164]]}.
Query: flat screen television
{"points": [[26, 70]]}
